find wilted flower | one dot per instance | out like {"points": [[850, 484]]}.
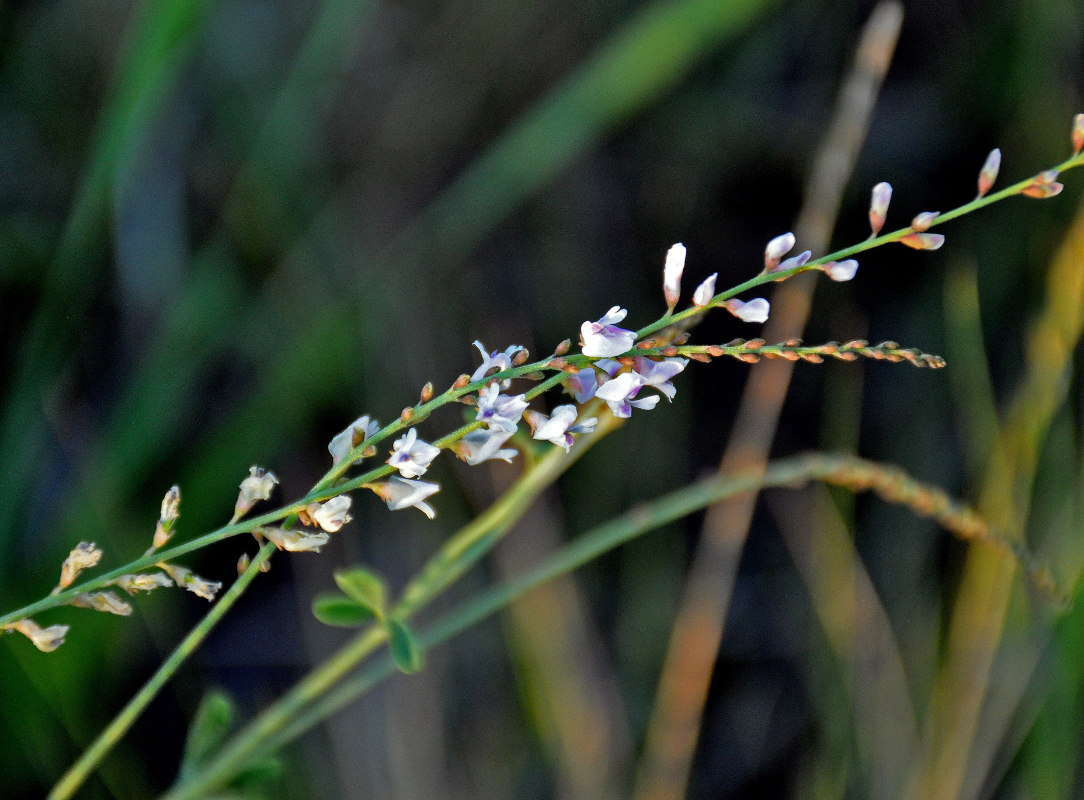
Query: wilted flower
{"points": [[360, 429], [330, 515], [671, 276], [923, 241], [620, 394], [84, 556], [776, 249], [108, 602], [705, 291], [756, 310], [603, 338], [501, 361], [485, 444], [171, 510], [400, 493], [878, 207], [257, 486], [500, 410], [412, 456], [988, 173], [296, 540], [143, 582], [841, 270], [182, 576], [45, 639], [559, 427]]}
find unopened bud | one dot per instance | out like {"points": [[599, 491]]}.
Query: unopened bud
{"points": [[45, 639], [407, 415], [878, 207], [671, 276], [557, 363], [427, 392], [1043, 185], [923, 241], [923, 221], [705, 291], [257, 486], [520, 358], [171, 510], [1078, 134], [988, 173], [776, 249], [563, 347], [841, 270], [107, 602], [243, 562]]}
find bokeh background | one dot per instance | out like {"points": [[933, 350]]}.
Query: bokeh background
{"points": [[229, 228]]}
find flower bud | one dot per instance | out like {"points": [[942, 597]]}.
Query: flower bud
{"points": [[427, 392], [705, 291], [257, 486], [756, 310], [1078, 134], [45, 639], [923, 221], [671, 276], [1043, 185], [841, 270], [988, 173], [923, 241], [84, 556], [171, 510], [878, 207], [776, 249]]}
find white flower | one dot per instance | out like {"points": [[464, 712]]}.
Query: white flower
{"points": [[603, 338], [485, 444], [330, 515], [412, 456], [671, 275], [84, 556], [776, 249], [501, 361], [500, 410], [841, 270], [182, 576], [45, 639], [295, 540], [878, 206], [756, 310], [400, 493], [143, 582], [657, 374], [705, 291], [257, 486], [559, 427], [108, 602], [620, 394], [360, 430]]}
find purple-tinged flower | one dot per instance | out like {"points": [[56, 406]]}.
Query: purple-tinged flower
{"points": [[331, 514], [705, 291], [559, 427], [923, 221], [776, 249], [500, 410], [794, 261], [501, 361], [923, 241], [620, 394], [582, 384], [296, 540], [1077, 136], [657, 374], [1043, 185], [841, 270], [988, 173], [485, 444], [671, 276], [400, 493], [603, 338], [412, 456], [756, 310], [360, 429], [878, 206]]}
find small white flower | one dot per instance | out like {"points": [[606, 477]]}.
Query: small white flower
{"points": [[360, 429], [330, 515], [988, 173], [485, 444], [620, 394], [756, 310], [45, 639], [400, 493], [257, 486], [671, 275], [143, 582], [705, 291], [603, 338], [108, 602], [878, 206], [182, 576], [559, 427], [412, 456], [500, 410], [657, 374], [296, 540], [502, 362], [776, 249], [841, 270], [84, 556]]}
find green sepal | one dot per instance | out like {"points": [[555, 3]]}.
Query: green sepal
{"points": [[404, 647], [341, 611], [363, 586]]}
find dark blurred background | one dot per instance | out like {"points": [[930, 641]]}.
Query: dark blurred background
{"points": [[227, 229]]}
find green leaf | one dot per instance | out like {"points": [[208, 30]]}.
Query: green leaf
{"points": [[405, 650], [366, 587], [212, 724], [340, 611]]}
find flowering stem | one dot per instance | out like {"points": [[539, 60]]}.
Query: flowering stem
{"points": [[93, 755]]}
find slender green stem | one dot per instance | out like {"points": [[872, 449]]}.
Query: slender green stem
{"points": [[93, 755]]}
